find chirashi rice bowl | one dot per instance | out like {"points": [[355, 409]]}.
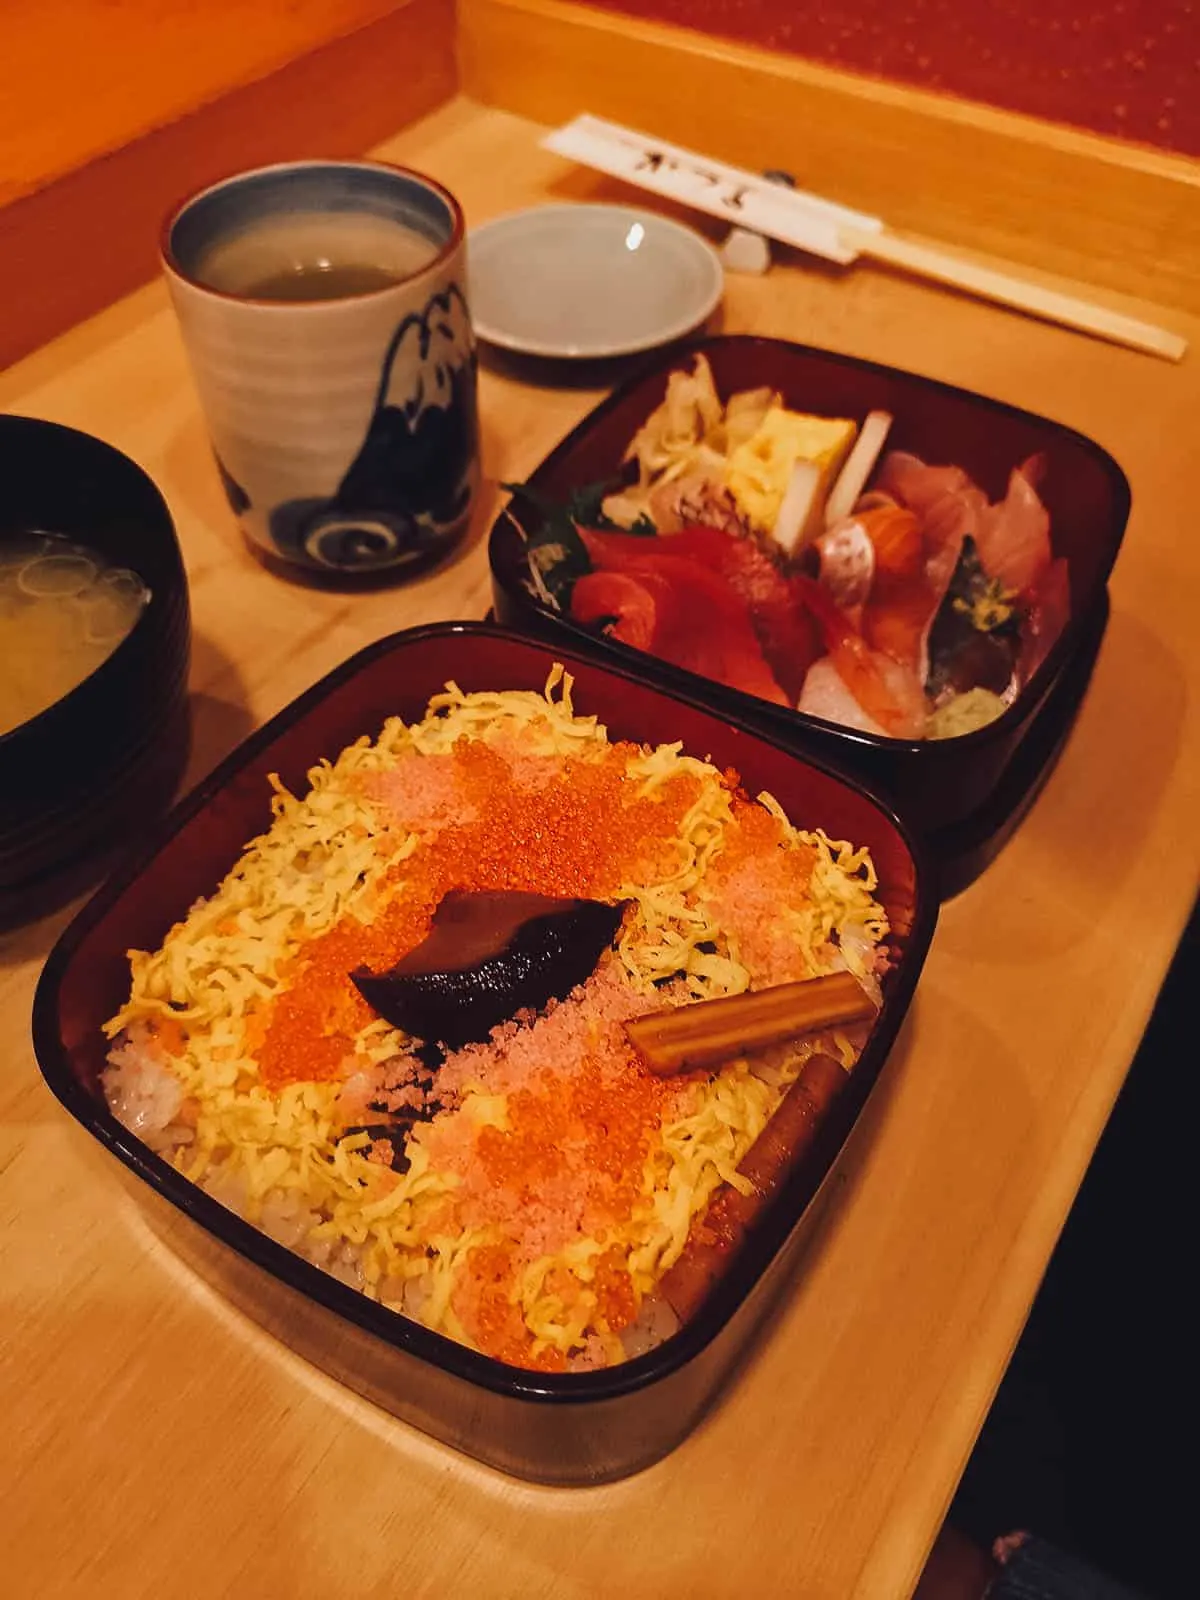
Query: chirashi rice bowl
{"points": [[526, 1195]]}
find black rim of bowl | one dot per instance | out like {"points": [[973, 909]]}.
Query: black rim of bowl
{"points": [[157, 615]]}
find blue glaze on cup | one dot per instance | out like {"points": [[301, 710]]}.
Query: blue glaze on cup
{"points": [[345, 430]]}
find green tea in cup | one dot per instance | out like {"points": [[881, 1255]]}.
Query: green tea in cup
{"points": [[314, 255], [322, 307]]}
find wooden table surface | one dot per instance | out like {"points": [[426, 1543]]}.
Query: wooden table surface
{"points": [[157, 1443]]}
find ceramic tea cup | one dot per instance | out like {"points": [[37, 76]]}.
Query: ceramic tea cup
{"points": [[323, 312]]}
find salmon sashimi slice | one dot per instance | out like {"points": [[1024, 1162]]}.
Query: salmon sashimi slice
{"points": [[683, 614], [899, 611], [1012, 536], [872, 565], [945, 501], [895, 533], [786, 633]]}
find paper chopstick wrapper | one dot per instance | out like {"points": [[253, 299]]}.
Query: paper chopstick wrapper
{"points": [[822, 227], [793, 217]]}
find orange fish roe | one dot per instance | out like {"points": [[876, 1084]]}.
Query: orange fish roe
{"points": [[170, 1035], [567, 1166], [313, 1022], [581, 1117], [613, 1288], [483, 1304], [582, 832], [571, 1157]]}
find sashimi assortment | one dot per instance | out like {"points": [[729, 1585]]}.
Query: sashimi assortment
{"points": [[788, 556]]}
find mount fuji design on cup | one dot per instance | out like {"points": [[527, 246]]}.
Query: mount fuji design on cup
{"points": [[410, 484], [344, 424]]}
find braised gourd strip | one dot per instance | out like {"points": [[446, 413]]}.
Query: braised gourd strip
{"points": [[779, 1148], [711, 1031]]}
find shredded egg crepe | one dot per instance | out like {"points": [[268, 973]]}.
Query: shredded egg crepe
{"points": [[526, 1194], [723, 464]]}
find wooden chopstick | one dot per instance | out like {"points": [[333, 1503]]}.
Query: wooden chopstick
{"points": [[1009, 289], [684, 1038], [827, 228]]}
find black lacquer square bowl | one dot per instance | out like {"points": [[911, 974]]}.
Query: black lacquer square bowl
{"points": [[565, 1429]]}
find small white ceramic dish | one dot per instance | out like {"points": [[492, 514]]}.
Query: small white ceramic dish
{"points": [[589, 281]]}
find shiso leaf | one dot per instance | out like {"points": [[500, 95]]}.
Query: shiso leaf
{"points": [[557, 556]]}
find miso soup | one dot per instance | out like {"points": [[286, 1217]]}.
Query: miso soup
{"points": [[63, 611]]}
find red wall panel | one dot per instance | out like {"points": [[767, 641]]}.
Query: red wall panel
{"points": [[1124, 67]]}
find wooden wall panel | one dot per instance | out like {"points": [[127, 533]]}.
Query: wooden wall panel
{"points": [[1099, 211], [1121, 69], [81, 241]]}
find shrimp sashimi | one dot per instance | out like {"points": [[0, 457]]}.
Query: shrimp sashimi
{"points": [[825, 695], [889, 691]]}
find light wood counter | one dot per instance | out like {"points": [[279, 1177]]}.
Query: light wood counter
{"points": [[157, 1444]]}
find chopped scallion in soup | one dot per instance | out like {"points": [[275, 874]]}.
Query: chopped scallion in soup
{"points": [[63, 611]]}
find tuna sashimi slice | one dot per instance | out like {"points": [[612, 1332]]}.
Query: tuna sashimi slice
{"points": [[621, 599], [785, 631], [683, 614]]}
